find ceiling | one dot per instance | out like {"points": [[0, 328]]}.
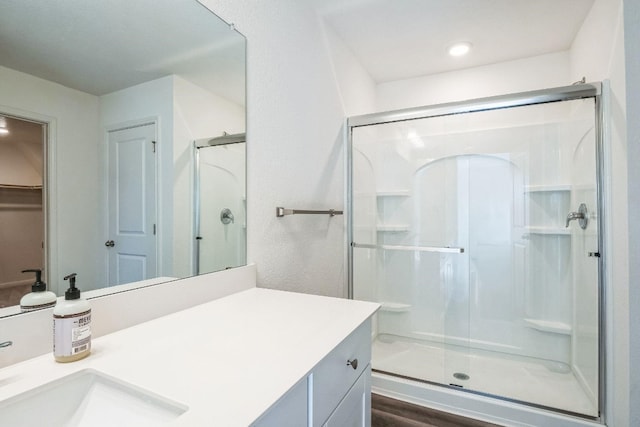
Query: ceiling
{"points": [[88, 45], [102, 46], [400, 39]]}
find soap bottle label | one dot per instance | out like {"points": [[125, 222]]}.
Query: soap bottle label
{"points": [[71, 334]]}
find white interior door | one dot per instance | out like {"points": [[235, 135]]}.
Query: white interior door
{"points": [[132, 204]]}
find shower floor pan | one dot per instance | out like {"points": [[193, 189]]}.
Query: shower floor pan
{"points": [[529, 380]]}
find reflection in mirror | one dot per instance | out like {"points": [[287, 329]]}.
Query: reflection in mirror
{"points": [[21, 210], [117, 92], [220, 203]]}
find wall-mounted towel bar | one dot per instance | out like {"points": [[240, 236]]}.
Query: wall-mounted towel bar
{"points": [[20, 187], [280, 212], [446, 249]]}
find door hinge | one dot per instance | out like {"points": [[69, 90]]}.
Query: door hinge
{"points": [[154, 145], [154, 229]]}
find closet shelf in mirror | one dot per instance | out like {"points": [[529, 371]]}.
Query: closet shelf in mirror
{"points": [[20, 187], [557, 231], [546, 188], [392, 228], [393, 193]]}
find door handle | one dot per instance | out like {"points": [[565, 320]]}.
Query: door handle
{"points": [[582, 216], [109, 243]]}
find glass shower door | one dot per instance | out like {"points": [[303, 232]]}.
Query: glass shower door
{"points": [[411, 258], [441, 215], [220, 207], [467, 229]]}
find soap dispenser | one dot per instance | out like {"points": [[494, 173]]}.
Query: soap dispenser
{"points": [[71, 325], [39, 297]]}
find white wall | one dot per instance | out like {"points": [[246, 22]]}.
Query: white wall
{"points": [[592, 50], [632, 89], [521, 75], [357, 87], [73, 175], [295, 149]]}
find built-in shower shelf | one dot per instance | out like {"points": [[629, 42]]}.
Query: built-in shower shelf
{"points": [[394, 307], [392, 228], [393, 193], [546, 188], [549, 326], [552, 231]]}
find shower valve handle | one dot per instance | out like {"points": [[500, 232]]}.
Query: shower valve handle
{"points": [[226, 216], [582, 216]]}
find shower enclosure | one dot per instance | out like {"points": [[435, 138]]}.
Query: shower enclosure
{"points": [[220, 203], [476, 227]]}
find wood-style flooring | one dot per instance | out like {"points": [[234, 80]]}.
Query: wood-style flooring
{"points": [[387, 412]]}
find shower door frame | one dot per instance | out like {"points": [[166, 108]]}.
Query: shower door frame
{"points": [[197, 201], [564, 93]]}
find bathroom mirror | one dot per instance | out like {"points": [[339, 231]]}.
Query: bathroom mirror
{"points": [[119, 92]]}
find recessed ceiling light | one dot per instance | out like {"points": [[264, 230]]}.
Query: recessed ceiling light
{"points": [[459, 49]]}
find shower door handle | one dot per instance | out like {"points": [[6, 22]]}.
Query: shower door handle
{"points": [[582, 216]]}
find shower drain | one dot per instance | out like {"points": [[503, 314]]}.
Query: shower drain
{"points": [[461, 376]]}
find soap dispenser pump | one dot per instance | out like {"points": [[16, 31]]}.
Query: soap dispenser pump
{"points": [[71, 325], [39, 297]]}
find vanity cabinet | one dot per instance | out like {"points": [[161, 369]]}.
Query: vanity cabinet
{"points": [[355, 408], [290, 410], [258, 357], [336, 392]]}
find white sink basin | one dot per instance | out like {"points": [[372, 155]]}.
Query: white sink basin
{"points": [[88, 398]]}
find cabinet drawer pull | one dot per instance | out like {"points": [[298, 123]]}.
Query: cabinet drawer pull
{"points": [[353, 363]]}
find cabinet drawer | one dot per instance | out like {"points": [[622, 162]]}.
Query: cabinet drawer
{"points": [[333, 377], [355, 408]]}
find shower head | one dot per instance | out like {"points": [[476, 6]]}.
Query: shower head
{"points": [[227, 139], [221, 140]]}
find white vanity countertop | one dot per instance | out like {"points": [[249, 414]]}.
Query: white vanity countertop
{"points": [[228, 360]]}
